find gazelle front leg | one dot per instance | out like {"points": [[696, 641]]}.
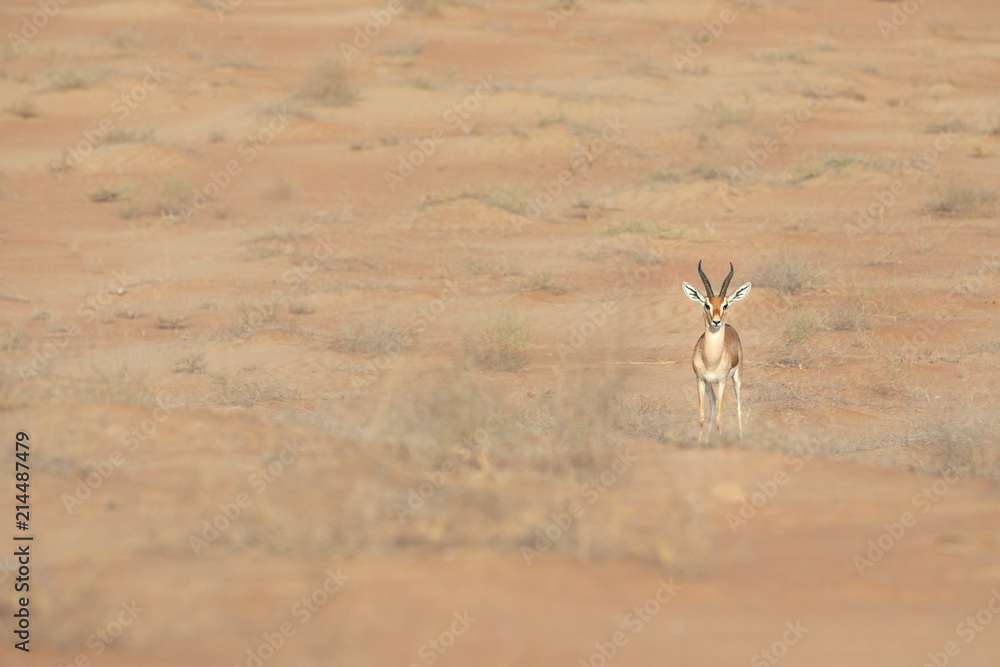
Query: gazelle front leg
{"points": [[718, 405], [701, 407]]}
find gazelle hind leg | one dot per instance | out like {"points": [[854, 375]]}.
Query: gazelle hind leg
{"points": [[739, 408]]}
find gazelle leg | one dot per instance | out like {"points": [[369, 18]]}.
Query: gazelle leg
{"points": [[711, 409], [701, 407], [718, 406], [739, 408]]}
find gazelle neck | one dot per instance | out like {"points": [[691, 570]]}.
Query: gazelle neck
{"points": [[715, 343]]}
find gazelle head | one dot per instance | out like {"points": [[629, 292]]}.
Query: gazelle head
{"points": [[715, 307]]}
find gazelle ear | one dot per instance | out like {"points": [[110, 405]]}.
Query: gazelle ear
{"points": [[692, 293], [740, 293]]}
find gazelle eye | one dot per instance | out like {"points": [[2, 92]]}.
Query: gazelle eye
{"points": [[724, 306], [707, 305]]}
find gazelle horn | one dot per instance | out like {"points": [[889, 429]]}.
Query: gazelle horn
{"points": [[725, 283], [704, 279]]}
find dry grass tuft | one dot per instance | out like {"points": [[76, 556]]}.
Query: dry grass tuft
{"points": [[964, 201], [190, 362], [73, 79], [23, 109], [172, 321], [543, 281], [721, 114], [431, 8], [802, 326], [501, 267], [301, 307], [236, 392], [370, 336], [854, 312], [502, 341], [124, 135], [506, 196], [642, 416], [175, 197], [643, 227], [111, 194], [331, 85]]}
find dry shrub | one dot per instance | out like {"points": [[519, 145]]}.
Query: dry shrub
{"points": [[236, 391], [331, 85], [369, 336], [783, 271], [452, 462], [939, 443], [964, 201], [853, 312], [502, 341]]}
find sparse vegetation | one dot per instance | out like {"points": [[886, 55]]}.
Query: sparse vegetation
{"points": [[950, 126], [668, 175], [127, 39], [783, 271], [507, 196], [301, 307], [280, 233], [545, 120], [280, 189], [431, 8], [23, 109], [477, 266], [369, 336], [721, 114], [649, 68], [111, 194], [502, 341], [851, 313], [12, 339], [785, 55], [411, 48], [641, 416], [421, 81], [702, 171], [236, 392], [73, 79], [190, 362], [124, 135], [172, 321], [543, 281], [964, 201], [175, 197], [838, 163], [643, 227], [249, 316], [331, 85], [130, 312], [802, 325]]}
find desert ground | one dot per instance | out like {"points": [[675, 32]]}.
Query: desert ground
{"points": [[352, 333]]}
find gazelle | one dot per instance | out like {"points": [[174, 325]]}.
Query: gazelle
{"points": [[718, 354]]}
